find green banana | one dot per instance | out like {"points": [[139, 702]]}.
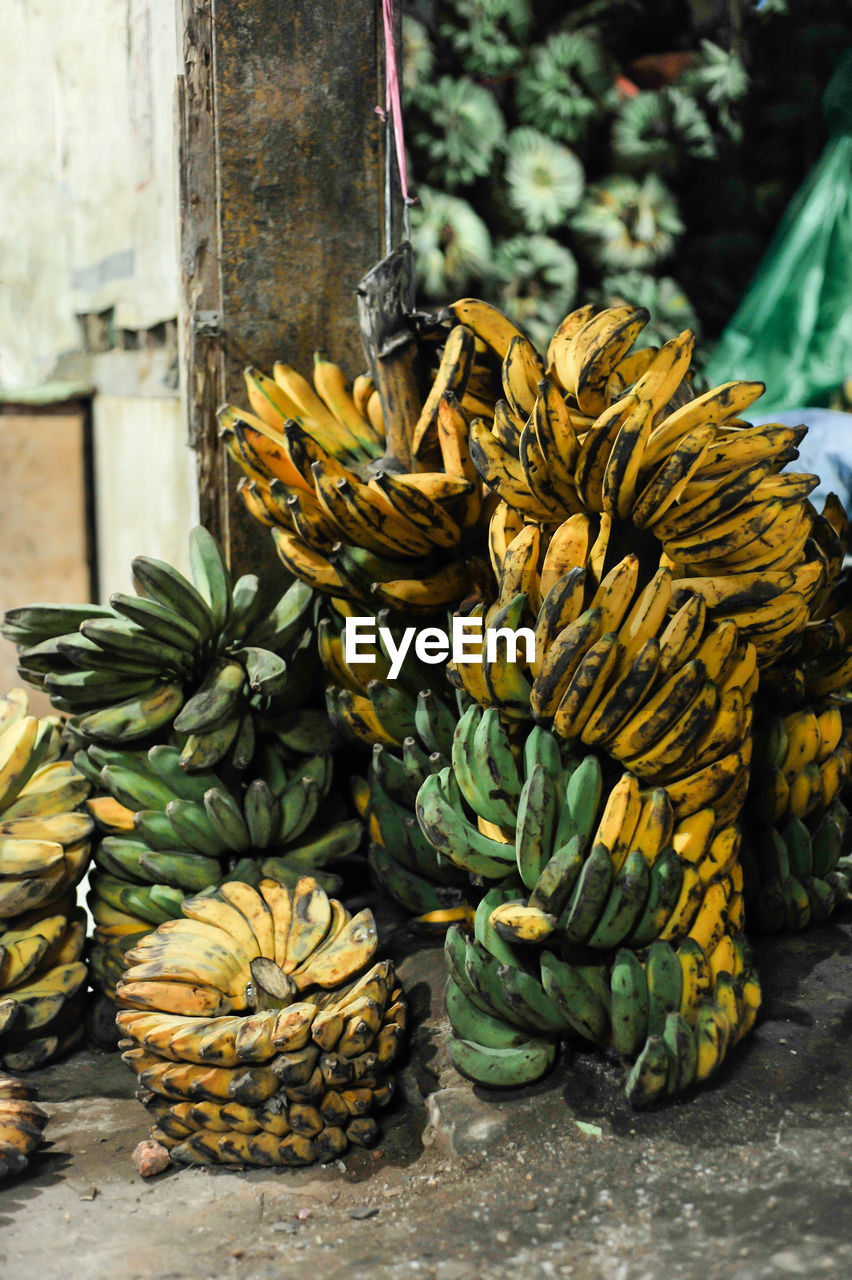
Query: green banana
{"points": [[665, 984], [536, 825], [579, 1005], [210, 575], [589, 897], [502, 1068], [558, 877], [629, 1003], [625, 903]]}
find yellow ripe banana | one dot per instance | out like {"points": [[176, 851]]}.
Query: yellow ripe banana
{"points": [[598, 551], [362, 388], [735, 591], [488, 323], [452, 375], [312, 412], [669, 748], [519, 570], [720, 857], [542, 478], [682, 635], [427, 594], [519, 922], [717, 648], [693, 836], [507, 426], [661, 493], [723, 958], [16, 746], [522, 371], [654, 716], [830, 725], [376, 414], [628, 370], [505, 524], [646, 617], [503, 473], [596, 449], [455, 453], [567, 549], [559, 344], [686, 907], [555, 432], [696, 980], [655, 826], [713, 407], [354, 431], [619, 820], [615, 592], [596, 359], [622, 469], [585, 687], [735, 450], [307, 564], [702, 787], [413, 506], [576, 343], [709, 923]]}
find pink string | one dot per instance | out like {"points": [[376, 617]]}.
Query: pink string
{"points": [[393, 105]]}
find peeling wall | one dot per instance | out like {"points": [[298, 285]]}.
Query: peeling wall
{"points": [[86, 174]]}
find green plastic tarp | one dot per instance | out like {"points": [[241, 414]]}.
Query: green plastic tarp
{"points": [[793, 328]]}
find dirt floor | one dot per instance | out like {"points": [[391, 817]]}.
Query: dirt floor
{"points": [[746, 1179]]}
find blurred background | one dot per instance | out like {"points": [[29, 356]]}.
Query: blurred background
{"points": [[691, 156]]}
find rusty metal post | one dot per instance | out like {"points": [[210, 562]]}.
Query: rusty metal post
{"points": [[297, 174]]}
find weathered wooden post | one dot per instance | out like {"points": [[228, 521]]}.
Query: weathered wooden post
{"points": [[281, 203]]}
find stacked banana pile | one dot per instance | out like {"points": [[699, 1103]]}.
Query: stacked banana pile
{"points": [[594, 883], [257, 1031], [201, 658], [44, 851], [663, 563], [352, 524], [22, 1124], [166, 833]]}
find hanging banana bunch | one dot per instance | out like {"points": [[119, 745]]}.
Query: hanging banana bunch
{"points": [[664, 564], [45, 843], [201, 658], [259, 1027], [347, 518]]}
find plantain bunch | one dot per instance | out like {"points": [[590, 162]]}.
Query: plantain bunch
{"points": [[347, 516], [45, 843], [203, 659], [259, 1027]]}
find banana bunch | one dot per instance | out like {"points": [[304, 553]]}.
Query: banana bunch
{"points": [[202, 658], [258, 1033], [166, 833], [795, 856], [672, 1010], [45, 842], [345, 521], [22, 1124], [669, 697], [582, 864], [603, 429], [819, 664]]}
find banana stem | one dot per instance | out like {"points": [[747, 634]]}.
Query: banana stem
{"points": [[385, 300]]}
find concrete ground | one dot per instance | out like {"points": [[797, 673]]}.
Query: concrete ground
{"points": [[747, 1178]]}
